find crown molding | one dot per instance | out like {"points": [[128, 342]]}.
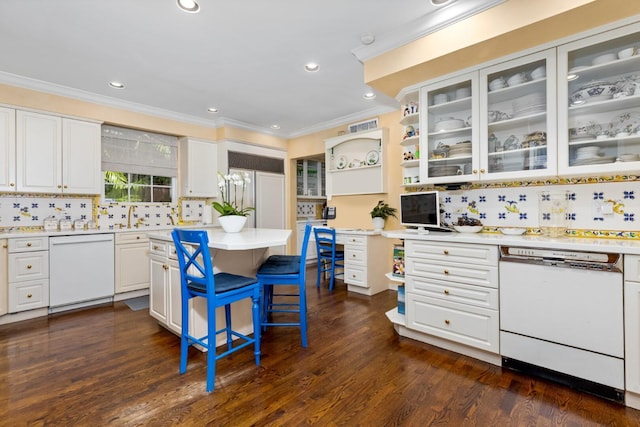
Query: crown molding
{"points": [[450, 14]]}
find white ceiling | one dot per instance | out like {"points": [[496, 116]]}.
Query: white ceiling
{"points": [[243, 57]]}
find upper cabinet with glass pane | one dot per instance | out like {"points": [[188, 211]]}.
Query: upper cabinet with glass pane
{"points": [[449, 130], [518, 118], [599, 103]]}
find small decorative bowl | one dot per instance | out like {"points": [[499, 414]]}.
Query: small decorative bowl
{"points": [[467, 228], [513, 231]]}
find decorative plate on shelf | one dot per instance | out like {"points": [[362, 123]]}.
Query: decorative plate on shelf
{"points": [[372, 157], [341, 163]]}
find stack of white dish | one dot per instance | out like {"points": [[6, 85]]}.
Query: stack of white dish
{"points": [[529, 104], [440, 98], [445, 170], [603, 59], [517, 79], [591, 155], [539, 73], [463, 92], [498, 83], [460, 149], [628, 158]]}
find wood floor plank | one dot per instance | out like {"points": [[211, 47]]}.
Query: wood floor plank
{"points": [[110, 365]]}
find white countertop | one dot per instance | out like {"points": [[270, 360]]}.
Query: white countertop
{"points": [[623, 246], [42, 233], [249, 238]]}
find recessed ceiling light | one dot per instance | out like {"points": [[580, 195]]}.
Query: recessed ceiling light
{"points": [[311, 67], [369, 95], [189, 6], [275, 126], [439, 2], [116, 85], [212, 110]]}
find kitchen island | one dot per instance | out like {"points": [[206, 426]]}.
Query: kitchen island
{"points": [[237, 253]]}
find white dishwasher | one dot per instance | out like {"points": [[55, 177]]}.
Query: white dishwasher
{"points": [[81, 270]]}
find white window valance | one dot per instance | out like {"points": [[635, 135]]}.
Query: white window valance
{"points": [[134, 151]]}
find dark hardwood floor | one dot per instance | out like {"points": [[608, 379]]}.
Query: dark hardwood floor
{"points": [[110, 365]]}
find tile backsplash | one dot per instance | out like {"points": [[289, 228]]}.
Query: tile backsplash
{"points": [[18, 211]]}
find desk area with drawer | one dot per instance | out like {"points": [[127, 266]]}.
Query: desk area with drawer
{"points": [[364, 273]]}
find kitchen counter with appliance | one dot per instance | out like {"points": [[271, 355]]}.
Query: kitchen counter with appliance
{"points": [[238, 253], [501, 299]]}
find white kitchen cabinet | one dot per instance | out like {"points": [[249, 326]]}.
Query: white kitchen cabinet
{"points": [[310, 178], [410, 138], [198, 169], [7, 149], [4, 279], [452, 294], [28, 273], [632, 329], [56, 155], [363, 271], [356, 163], [159, 278], [599, 113], [131, 261]]}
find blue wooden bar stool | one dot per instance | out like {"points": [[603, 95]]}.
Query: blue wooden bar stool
{"points": [[328, 257], [220, 289], [285, 270]]}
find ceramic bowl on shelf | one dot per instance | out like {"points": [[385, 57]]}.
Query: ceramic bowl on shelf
{"points": [[594, 91], [539, 73], [603, 59], [467, 228], [449, 123], [441, 98], [627, 53]]}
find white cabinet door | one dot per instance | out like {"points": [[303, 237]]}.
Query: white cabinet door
{"points": [[198, 168], [632, 335], [7, 149], [38, 151], [81, 157], [131, 267], [270, 200], [158, 289]]}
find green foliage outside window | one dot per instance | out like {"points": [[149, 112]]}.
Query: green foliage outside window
{"points": [[132, 188]]}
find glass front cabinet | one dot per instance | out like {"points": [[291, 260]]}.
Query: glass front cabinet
{"points": [[599, 103]]}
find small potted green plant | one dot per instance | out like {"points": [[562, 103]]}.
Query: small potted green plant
{"points": [[380, 213]]}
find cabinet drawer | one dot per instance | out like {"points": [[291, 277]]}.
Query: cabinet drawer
{"points": [[452, 252], [351, 239], [28, 266], [355, 255], [632, 268], [465, 294], [356, 275], [28, 295], [28, 244], [132, 237], [474, 326], [160, 248], [478, 275]]}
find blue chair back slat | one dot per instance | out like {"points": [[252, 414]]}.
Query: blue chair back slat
{"points": [[329, 258]]}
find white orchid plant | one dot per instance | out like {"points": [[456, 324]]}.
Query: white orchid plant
{"points": [[229, 182]]}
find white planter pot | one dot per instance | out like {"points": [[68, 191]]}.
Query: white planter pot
{"points": [[378, 223], [232, 223]]}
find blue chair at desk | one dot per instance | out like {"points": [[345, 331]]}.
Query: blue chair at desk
{"points": [[220, 290], [328, 257], [285, 270]]}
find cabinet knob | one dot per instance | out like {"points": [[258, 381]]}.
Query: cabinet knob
{"points": [[353, 256], [446, 322], [446, 251], [29, 266], [12, 184], [482, 170], [446, 291], [5, 246], [446, 272], [29, 244], [29, 295], [155, 247], [65, 186], [59, 186], [353, 276], [475, 171], [165, 266], [137, 237]]}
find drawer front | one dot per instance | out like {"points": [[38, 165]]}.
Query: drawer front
{"points": [[472, 326], [355, 255], [28, 266], [452, 252], [632, 268], [356, 275], [478, 275], [28, 295], [28, 244], [132, 237], [464, 294], [159, 248], [351, 239]]}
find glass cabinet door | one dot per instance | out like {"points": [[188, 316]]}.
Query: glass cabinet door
{"points": [[450, 119], [518, 117], [599, 103]]}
